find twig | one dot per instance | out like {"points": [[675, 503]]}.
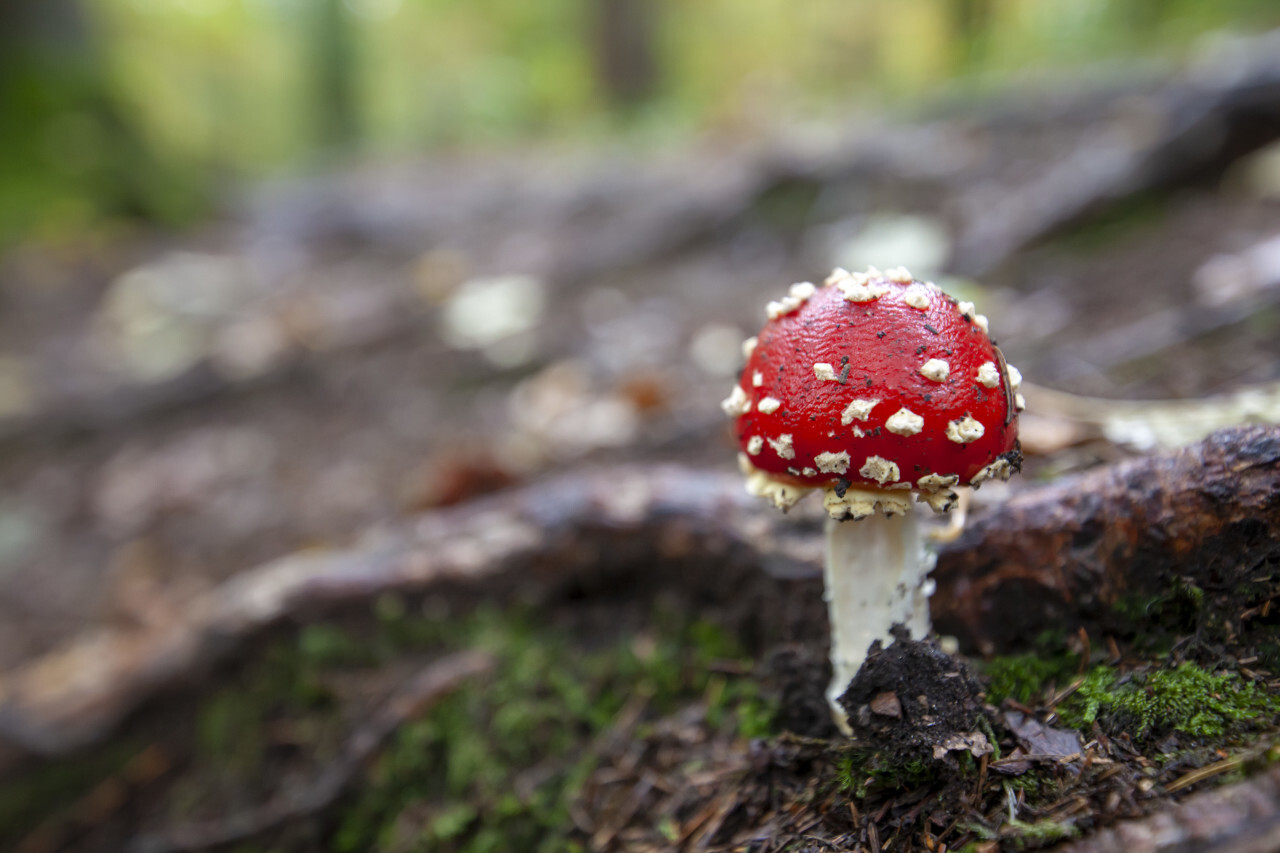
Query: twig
{"points": [[1206, 772]]}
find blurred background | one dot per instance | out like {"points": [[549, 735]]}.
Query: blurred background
{"points": [[274, 272], [277, 274], [127, 110]]}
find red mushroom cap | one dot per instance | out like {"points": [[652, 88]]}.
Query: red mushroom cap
{"points": [[876, 380]]}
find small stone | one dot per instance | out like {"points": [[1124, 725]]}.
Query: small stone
{"points": [[886, 704]]}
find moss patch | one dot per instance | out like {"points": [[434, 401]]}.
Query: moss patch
{"points": [[496, 765], [493, 766], [1187, 699], [1025, 677]]}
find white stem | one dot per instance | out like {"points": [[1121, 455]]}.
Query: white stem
{"points": [[875, 578]]}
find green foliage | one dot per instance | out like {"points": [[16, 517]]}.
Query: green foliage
{"points": [[1187, 699]]}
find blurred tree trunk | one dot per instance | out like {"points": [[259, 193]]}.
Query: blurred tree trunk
{"points": [[65, 142], [43, 21], [971, 21], [41, 42], [625, 53], [334, 72]]}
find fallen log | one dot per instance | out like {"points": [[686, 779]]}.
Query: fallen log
{"points": [[1056, 555], [1206, 516]]}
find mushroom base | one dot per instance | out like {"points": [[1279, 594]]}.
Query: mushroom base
{"points": [[876, 577]]}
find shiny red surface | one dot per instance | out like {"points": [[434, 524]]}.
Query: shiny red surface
{"points": [[883, 344]]}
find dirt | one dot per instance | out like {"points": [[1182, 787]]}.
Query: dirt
{"points": [[914, 702]]}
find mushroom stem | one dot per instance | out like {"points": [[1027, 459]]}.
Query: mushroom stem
{"points": [[876, 577]]}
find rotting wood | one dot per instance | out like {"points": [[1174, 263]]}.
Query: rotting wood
{"points": [[1054, 555]]}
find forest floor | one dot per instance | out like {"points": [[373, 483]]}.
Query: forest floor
{"points": [[343, 355]]}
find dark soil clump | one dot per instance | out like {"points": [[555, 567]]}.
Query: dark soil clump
{"points": [[915, 702]]}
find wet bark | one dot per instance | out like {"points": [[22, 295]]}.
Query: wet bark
{"points": [[1064, 555]]}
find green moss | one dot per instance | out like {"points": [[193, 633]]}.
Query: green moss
{"points": [[1019, 834], [1152, 623], [1036, 784], [493, 766], [861, 771], [1187, 699], [1040, 831], [1133, 609], [1024, 677], [499, 761]]}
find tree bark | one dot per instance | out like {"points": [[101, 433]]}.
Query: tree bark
{"points": [[1064, 555]]}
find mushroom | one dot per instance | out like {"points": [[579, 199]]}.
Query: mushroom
{"points": [[873, 388]]}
